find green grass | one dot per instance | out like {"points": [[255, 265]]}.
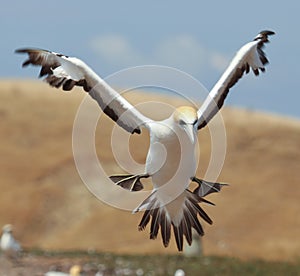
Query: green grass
{"points": [[168, 264]]}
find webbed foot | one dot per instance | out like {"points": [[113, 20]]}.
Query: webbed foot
{"points": [[206, 187], [129, 181]]}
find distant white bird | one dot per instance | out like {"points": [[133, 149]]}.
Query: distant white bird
{"points": [[179, 272], [171, 159], [75, 270], [195, 249], [8, 244]]}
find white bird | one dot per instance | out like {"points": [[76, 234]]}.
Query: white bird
{"points": [[195, 249], [8, 244], [179, 272], [171, 159], [75, 270]]}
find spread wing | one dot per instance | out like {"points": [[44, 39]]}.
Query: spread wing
{"points": [[251, 55], [67, 72]]}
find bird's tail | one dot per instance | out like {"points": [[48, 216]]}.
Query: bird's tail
{"points": [[181, 214]]}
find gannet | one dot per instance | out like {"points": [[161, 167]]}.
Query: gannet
{"points": [[8, 244], [171, 159]]}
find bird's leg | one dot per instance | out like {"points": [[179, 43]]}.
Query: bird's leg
{"points": [[129, 182], [206, 187]]}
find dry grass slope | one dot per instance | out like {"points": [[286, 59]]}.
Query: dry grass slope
{"points": [[44, 197]]}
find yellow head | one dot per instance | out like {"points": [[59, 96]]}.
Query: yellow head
{"points": [[185, 115], [186, 118], [7, 228]]}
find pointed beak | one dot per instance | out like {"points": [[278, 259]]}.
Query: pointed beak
{"points": [[191, 132]]}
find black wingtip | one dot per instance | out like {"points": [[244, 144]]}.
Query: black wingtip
{"points": [[263, 35], [26, 63], [24, 50], [19, 51], [267, 32]]}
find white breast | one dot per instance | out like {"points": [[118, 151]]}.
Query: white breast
{"points": [[171, 156], [9, 243]]}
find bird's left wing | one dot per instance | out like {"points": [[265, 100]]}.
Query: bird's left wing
{"points": [[249, 56], [66, 72]]}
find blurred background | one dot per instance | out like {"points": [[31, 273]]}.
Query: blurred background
{"points": [[42, 194], [198, 38]]}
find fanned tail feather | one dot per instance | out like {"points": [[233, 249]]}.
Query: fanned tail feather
{"points": [[165, 229], [160, 219], [178, 233], [187, 231], [156, 216]]}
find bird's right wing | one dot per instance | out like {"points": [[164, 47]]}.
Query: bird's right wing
{"points": [[67, 72], [249, 56]]}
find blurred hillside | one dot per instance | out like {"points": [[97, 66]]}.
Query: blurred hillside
{"points": [[43, 196]]}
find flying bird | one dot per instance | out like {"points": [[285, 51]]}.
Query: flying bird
{"points": [[171, 159]]}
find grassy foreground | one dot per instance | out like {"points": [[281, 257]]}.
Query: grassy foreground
{"points": [[114, 264]]}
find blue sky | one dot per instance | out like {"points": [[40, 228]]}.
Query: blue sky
{"points": [[198, 38]]}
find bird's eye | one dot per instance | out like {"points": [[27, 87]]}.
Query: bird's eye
{"points": [[182, 123]]}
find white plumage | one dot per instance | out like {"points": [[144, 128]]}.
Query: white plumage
{"points": [[8, 243], [195, 249], [179, 272], [171, 204]]}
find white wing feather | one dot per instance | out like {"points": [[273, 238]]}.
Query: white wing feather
{"points": [[249, 56], [67, 72]]}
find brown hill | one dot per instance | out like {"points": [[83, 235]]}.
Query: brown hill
{"points": [[44, 197]]}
